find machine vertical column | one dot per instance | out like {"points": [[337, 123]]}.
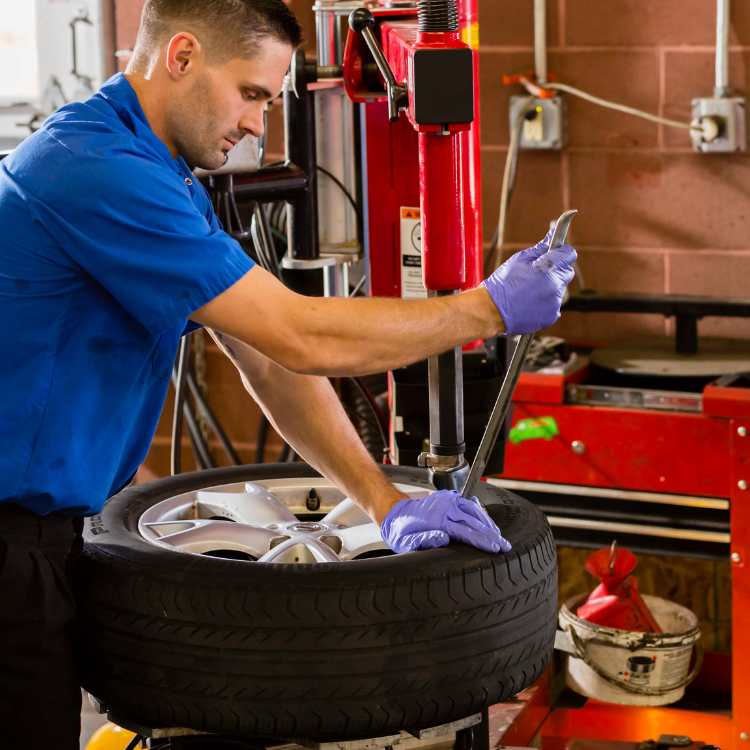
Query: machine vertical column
{"points": [[443, 252], [299, 143], [444, 268], [446, 401]]}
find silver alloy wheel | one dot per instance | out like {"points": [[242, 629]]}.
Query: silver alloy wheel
{"points": [[268, 521]]}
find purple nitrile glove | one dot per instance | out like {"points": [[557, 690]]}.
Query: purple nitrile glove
{"points": [[528, 288], [435, 520]]}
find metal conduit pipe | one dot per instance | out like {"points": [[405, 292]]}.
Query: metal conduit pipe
{"points": [[540, 40], [722, 49]]}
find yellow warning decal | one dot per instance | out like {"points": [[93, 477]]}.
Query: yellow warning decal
{"points": [[410, 213], [470, 35]]}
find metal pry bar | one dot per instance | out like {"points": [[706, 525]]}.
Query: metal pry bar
{"points": [[510, 381]]}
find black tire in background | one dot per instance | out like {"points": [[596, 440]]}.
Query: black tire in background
{"points": [[361, 648]]}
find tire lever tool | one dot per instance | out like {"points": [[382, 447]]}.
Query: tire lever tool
{"points": [[510, 381]]}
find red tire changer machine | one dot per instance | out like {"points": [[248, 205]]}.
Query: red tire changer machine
{"points": [[422, 193]]}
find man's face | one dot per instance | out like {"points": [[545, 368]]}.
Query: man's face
{"points": [[225, 103]]}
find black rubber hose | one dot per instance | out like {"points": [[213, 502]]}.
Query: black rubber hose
{"points": [[348, 195], [264, 247], [213, 422], [179, 403], [197, 444], [256, 231], [260, 447], [134, 742], [269, 241], [376, 410], [203, 457]]}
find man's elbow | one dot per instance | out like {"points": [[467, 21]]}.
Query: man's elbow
{"points": [[303, 355]]}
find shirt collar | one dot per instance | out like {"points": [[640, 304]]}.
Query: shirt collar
{"points": [[118, 92]]}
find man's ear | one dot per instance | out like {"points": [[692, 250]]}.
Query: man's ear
{"points": [[183, 52]]}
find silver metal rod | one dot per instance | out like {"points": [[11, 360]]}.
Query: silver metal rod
{"points": [[380, 59], [510, 381], [696, 535], [540, 40], [330, 71], [688, 501], [323, 37], [722, 49]]}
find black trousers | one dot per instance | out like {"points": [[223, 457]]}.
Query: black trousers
{"points": [[40, 697]]}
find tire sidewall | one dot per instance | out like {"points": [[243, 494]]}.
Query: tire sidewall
{"points": [[115, 530]]}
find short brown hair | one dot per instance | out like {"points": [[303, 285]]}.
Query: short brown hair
{"points": [[227, 28]]}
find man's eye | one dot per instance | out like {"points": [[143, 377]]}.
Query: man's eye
{"points": [[250, 96]]}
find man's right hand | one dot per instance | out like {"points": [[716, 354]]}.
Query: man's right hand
{"points": [[435, 520], [528, 288]]}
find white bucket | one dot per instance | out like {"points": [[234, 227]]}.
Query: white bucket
{"points": [[625, 667]]}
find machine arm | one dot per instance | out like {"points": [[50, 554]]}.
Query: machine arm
{"points": [[362, 22]]}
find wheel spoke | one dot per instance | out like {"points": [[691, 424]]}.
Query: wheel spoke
{"points": [[260, 523], [256, 506], [209, 535], [360, 539], [300, 550], [347, 513]]}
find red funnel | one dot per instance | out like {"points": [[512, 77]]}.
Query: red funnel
{"points": [[616, 603]]}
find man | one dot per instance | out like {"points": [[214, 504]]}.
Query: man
{"points": [[110, 251]]}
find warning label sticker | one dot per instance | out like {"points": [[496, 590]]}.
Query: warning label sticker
{"points": [[412, 286]]}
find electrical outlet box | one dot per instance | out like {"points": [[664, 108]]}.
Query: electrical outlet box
{"points": [[545, 123], [722, 123]]}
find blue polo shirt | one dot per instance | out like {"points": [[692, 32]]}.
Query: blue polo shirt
{"points": [[107, 244]]}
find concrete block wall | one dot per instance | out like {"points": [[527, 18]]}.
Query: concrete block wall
{"points": [[654, 215]]}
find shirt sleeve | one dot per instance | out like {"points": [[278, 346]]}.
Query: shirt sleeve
{"points": [[131, 223]]}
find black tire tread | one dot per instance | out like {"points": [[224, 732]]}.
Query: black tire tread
{"points": [[316, 655]]}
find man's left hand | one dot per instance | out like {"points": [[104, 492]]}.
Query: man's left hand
{"points": [[438, 519]]}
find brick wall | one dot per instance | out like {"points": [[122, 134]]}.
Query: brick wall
{"points": [[654, 216]]}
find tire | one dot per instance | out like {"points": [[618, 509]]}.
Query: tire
{"points": [[362, 648]]}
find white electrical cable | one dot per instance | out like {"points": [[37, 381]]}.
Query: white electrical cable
{"points": [[515, 139], [620, 107]]}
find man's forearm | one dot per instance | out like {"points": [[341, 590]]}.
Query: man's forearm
{"points": [[336, 336], [393, 332], [306, 411]]}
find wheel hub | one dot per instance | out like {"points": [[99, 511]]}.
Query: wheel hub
{"points": [[307, 527], [270, 523]]}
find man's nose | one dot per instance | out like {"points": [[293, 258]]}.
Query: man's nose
{"points": [[252, 121]]}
